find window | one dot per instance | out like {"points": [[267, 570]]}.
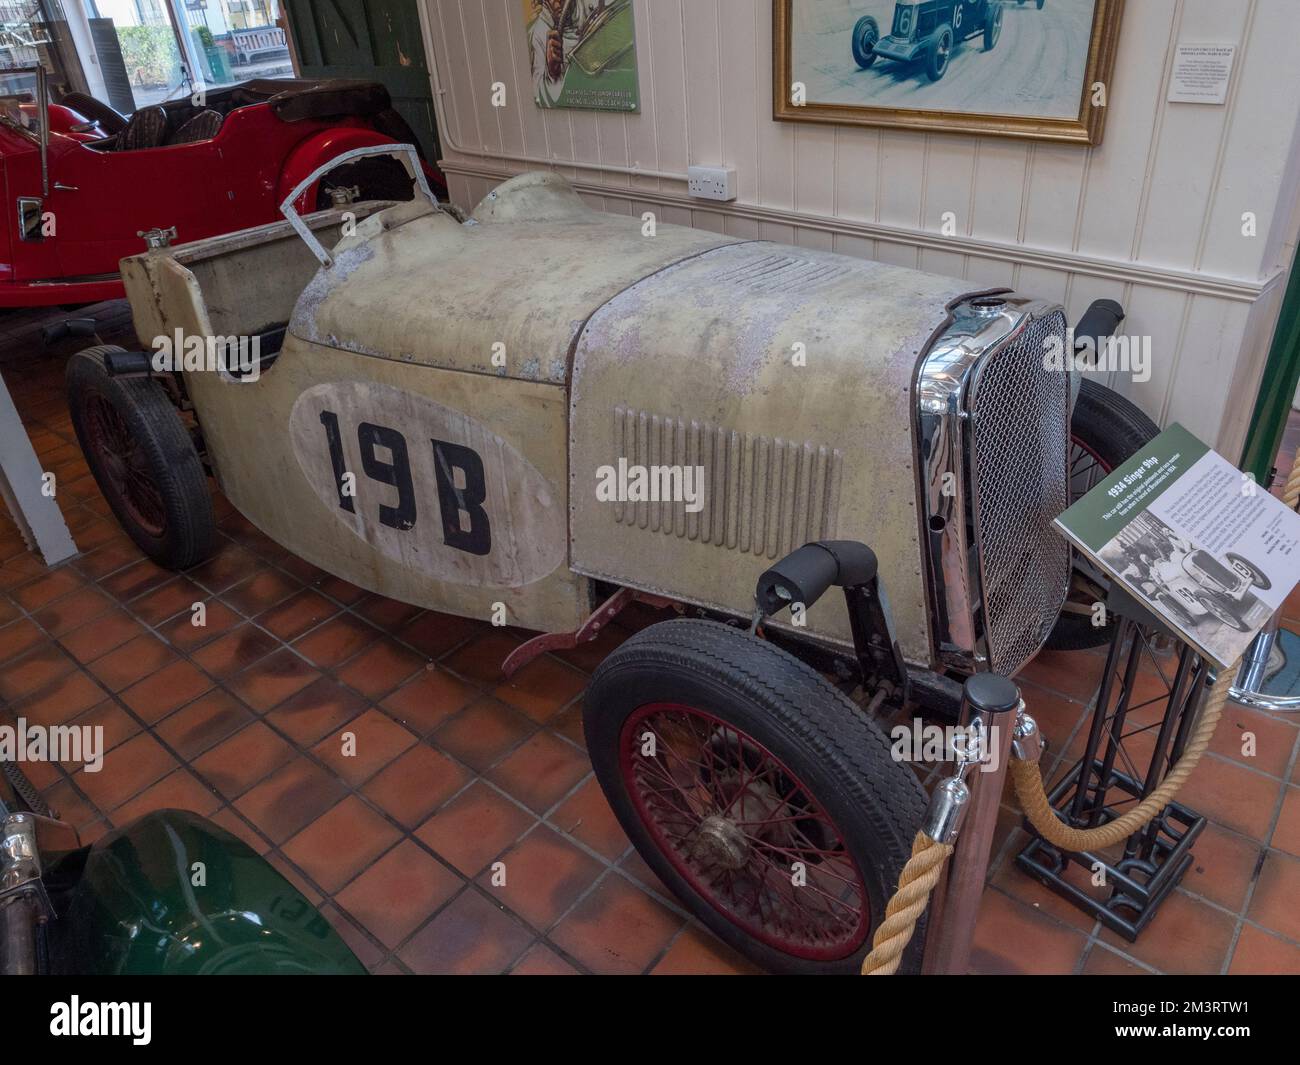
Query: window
{"points": [[145, 52]]}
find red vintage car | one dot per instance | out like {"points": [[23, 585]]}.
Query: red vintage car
{"points": [[82, 181]]}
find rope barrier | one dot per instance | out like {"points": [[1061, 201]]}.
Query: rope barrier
{"points": [[915, 884], [1028, 781], [921, 873], [1291, 494]]}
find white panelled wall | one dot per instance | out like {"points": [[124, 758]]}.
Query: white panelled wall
{"points": [[1153, 217]]}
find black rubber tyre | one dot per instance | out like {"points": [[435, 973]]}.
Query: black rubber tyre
{"points": [[175, 524], [992, 25], [1111, 429], [865, 35], [841, 760], [379, 177], [1175, 607], [1222, 613], [936, 59]]}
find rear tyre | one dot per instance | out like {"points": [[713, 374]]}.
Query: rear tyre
{"points": [[865, 35], [936, 60], [143, 460], [992, 26], [1105, 431], [378, 177], [734, 768]]}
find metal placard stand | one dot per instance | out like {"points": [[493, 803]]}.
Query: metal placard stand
{"points": [[1123, 886]]}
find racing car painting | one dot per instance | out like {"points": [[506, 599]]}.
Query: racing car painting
{"points": [[196, 168], [1027, 69]]}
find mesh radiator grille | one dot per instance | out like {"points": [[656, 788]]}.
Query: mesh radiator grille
{"points": [[1020, 453]]}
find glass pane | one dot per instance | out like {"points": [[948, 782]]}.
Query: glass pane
{"points": [[236, 40], [24, 42], [137, 52]]}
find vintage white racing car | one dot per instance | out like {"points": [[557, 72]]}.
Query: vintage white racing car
{"points": [[558, 411]]}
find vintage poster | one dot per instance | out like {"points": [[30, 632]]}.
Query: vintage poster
{"points": [[1182, 529], [582, 54], [1012, 69]]}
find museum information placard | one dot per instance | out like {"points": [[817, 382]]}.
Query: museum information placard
{"points": [[1195, 539]]}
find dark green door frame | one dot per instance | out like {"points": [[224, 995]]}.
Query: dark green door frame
{"points": [[374, 40], [1276, 390]]}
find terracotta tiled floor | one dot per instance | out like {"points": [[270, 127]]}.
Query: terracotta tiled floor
{"points": [[455, 768]]}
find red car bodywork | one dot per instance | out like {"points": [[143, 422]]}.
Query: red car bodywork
{"points": [[99, 201]]}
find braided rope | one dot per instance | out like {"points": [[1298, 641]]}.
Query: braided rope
{"points": [[1291, 494], [1028, 781], [921, 873], [915, 884]]}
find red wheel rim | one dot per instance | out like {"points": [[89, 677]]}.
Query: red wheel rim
{"points": [[124, 465], [734, 821]]}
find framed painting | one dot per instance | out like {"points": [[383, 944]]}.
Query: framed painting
{"points": [[1035, 69]]}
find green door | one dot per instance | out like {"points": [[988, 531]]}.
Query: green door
{"points": [[375, 40]]}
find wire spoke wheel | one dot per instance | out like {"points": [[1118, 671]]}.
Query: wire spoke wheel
{"points": [[745, 831], [126, 466], [762, 796], [143, 459]]}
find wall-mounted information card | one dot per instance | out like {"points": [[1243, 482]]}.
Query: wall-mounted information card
{"points": [[1184, 531]]}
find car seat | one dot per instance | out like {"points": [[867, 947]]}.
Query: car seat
{"points": [[147, 128], [201, 127]]}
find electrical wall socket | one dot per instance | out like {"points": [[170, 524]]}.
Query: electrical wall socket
{"points": [[711, 182]]}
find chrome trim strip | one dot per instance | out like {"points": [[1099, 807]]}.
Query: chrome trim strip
{"points": [[978, 325]]}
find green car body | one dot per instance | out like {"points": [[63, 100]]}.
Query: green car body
{"points": [[174, 894]]}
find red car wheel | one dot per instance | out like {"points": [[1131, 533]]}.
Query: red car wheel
{"points": [[761, 795], [733, 819]]}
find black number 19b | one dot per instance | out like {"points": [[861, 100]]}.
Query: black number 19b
{"points": [[465, 523]]}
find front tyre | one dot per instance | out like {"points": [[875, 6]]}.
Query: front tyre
{"points": [[1222, 613], [865, 35], [936, 60], [143, 460], [761, 795]]}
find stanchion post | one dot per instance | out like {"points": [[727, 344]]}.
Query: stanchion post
{"points": [[989, 706]]}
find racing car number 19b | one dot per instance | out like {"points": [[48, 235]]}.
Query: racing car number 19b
{"points": [[448, 459], [427, 488]]}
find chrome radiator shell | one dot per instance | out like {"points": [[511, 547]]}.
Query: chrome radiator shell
{"points": [[992, 438]]}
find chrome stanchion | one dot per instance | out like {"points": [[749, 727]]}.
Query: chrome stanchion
{"points": [[1251, 688]]}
